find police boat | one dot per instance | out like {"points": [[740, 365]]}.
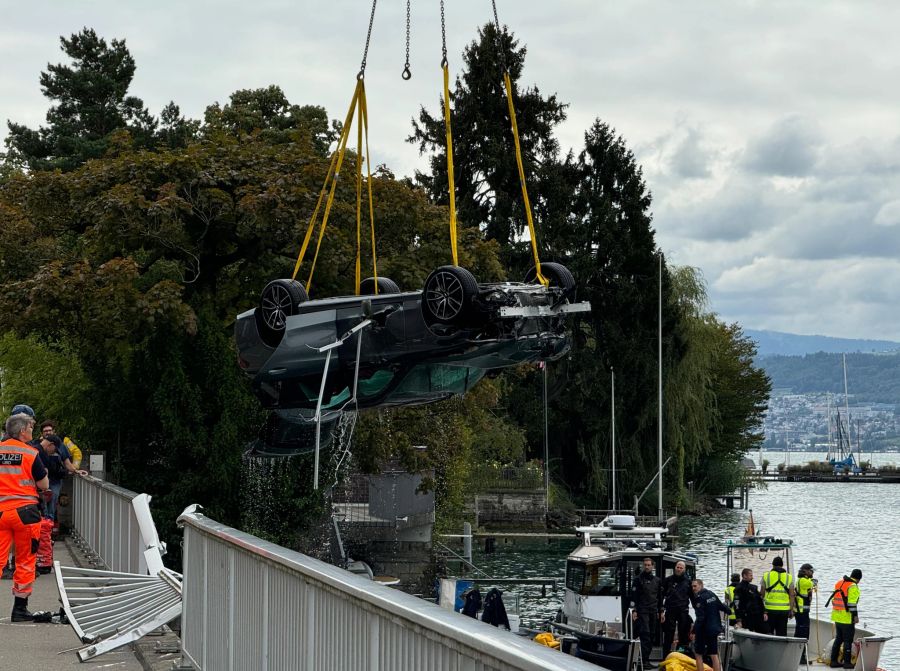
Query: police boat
{"points": [[596, 612]]}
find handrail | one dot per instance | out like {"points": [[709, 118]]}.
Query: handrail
{"points": [[114, 524], [248, 600]]}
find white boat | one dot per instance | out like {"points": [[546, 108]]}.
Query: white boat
{"points": [[599, 574], [765, 652]]}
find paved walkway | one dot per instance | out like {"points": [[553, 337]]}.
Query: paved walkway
{"points": [[50, 646]]}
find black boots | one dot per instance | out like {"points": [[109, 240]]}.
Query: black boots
{"points": [[20, 612]]}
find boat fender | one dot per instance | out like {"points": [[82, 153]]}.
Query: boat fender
{"points": [[676, 661]]}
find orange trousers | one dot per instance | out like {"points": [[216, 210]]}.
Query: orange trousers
{"points": [[21, 526]]}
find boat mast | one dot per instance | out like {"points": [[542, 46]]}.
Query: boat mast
{"points": [[847, 405], [659, 421], [613, 424]]}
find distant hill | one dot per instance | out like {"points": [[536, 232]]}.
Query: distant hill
{"points": [[873, 378], [791, 344]]}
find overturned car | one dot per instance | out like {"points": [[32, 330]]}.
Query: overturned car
{"points": [[416, 346]]}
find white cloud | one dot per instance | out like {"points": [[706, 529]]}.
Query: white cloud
{"points": [[769, 135]]}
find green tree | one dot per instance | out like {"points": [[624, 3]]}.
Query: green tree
{"points": [[487, 179], [91, 104], [141, 260]]}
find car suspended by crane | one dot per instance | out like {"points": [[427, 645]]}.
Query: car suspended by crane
{"points": [[309, 360]]}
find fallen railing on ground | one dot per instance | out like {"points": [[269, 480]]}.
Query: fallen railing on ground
{"points": [[132, 594]]}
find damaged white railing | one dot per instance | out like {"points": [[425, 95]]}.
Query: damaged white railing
{"points": [[250, 605], [130, 593], [114, 527]]}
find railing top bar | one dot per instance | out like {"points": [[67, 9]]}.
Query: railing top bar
{"points": [[113, 489], [502, 646]]}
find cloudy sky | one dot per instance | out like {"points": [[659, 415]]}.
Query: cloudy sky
{"points": [[769, 132]]}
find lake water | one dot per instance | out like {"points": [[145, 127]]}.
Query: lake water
{"points": [[835, 526]]}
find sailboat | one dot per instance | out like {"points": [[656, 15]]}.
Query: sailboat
{"points": [[843, 460]]}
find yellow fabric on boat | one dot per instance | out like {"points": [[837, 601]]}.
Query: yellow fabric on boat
{"points": [[547, 639], [363, 106], [675, 661]]}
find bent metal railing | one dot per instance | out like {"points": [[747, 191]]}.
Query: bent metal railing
{"points": [[250, 605], [114, 525]]}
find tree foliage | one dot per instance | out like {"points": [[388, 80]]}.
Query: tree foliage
{"points": [[592, 213], [91, 104], [140, 261]]}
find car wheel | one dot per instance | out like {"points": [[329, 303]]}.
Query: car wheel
{"points": [[448, 295], [557, 273], [385, 286], [279, 300]]}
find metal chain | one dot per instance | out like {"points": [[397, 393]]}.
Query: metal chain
{"points": [[406, 72], [443, 36], [500, 51], [362, 66]]}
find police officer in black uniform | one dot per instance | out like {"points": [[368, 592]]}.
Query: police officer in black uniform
{"points": [[674, 617], [646, 604]]}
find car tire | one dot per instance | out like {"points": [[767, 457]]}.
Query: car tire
{"points": [[385, 286], [448, 296], [557, 273], [279, 300]]}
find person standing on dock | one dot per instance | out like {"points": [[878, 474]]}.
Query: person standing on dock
{"points": [[779, 597], [646, 605], [674, 616], [844, 601], [806, 585], [748, 605], [709, 624]]}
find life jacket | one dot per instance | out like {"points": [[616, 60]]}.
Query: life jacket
{"points": [[838, 598], [17, 486], [777, 585], [842, 609], [804, 594], [729, 597]]}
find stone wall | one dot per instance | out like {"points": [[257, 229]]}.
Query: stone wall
{"points": [[519, 510]]}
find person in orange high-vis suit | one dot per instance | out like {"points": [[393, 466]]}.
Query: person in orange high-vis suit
{"points": [[21, 476]]}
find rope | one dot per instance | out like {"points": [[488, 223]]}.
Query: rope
{"points": [[365, 122], [515, 131], [341, 151], [451, 187], [331, 177]]}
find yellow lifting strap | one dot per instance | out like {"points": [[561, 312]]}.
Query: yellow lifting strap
{"points": [[515, 130], [359, 107], [450, 182]]}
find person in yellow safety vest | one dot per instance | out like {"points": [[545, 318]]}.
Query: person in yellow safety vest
{"points": [[777, 592], [806, 585], [729, 596], [844, 601]]}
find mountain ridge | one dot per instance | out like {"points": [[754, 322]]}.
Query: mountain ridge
{"points": [[780, 343]]}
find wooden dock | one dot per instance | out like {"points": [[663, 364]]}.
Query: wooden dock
{"points": [[817, 476]]}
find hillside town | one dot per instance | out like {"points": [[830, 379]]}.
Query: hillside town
{"points": [[800, 422]]}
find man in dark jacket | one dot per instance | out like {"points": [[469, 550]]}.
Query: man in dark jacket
{"points": [[646, 605], [709, 624], [748, 605], [676, 590]]}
